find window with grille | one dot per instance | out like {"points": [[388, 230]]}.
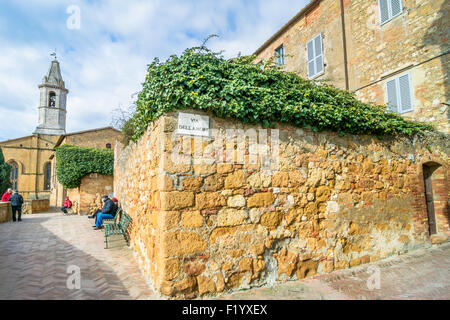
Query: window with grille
{"points": [[14, 175], [279, 55], [399, 94], [389, 9], [314, 50], [47, 175]]}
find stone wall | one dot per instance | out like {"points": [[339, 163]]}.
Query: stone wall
{"points": [[36, 206], [5, 212], [320, 203], [87, 198]]}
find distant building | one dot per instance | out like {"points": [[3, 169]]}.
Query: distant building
{"points": [[386, 51], [32, 157]]}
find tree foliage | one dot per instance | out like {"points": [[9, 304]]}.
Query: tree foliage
{"points": [[257, 93], [74, 162], [5, 171]]}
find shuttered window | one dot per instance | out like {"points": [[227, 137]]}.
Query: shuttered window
{"points": [[389, 9], [314, 51], [279, 55], [399, 94]]}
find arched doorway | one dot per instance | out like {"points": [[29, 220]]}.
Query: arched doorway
{"points": [[435, 183], [14, 175]]}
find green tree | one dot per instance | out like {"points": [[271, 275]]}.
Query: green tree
{"points": [[5, 171]]}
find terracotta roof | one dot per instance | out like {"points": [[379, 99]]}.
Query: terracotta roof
{"points": [[283, 29]]}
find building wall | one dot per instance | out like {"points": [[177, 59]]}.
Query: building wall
{"points": [[411, 42], [91, 139], [87, 198], [331, 202], [324, 18], [94, 138], [31, 154]]}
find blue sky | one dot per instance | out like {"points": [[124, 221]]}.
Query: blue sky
{"points": [[104, 61]]}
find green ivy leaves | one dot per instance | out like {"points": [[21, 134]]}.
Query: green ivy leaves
{"points": [[240, 89], [73, 163]]}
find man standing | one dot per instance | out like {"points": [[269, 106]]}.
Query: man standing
{"points": [[7, 195], [107, 212], [16, 205]]}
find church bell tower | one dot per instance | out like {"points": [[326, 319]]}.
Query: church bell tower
{"points": [[52, 106]]}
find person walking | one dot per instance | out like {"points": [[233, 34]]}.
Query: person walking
{"points": [[16, 205], [66, 205], [7, 195]]}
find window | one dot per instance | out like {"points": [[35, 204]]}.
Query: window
{"points": [[52, 100], [47, 175], [108, 146], [279, 55], [315, 56], [14, 175], [399, 94], [389, 9]]}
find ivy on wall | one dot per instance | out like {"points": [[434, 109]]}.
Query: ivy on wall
{"points": [[257, 93], [5, 171], [74, 162]]}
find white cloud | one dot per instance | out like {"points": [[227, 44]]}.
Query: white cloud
{"points": [[105, 61]]}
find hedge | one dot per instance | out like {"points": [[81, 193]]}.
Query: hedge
{"points": [[74, 162], [257, 93]]}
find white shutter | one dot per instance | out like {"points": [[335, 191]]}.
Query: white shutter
{"points": [[315, 56], [311, 64], [404, 85], [384, 10], [318, 53], [391, 89], [396, 7]]}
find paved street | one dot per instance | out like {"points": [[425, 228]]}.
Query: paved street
{"points": [[36, 254], [421, 274]]}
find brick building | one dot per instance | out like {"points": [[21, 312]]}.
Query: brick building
{"points": [[32, 157], [386, 51]]}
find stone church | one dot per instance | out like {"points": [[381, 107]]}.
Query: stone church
{"points": [[32, 158]]}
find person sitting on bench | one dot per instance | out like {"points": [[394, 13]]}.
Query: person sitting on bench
{"points": [[108, 212], [116, 204], [66, 205]]}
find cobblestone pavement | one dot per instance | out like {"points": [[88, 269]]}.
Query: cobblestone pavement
{"points": [[420, 274], [36, 253]]}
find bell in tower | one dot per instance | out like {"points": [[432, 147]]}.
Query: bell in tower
{"points": [[52, 106]]}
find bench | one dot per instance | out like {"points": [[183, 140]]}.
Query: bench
{"points": [[113, 220], [118, 228]]}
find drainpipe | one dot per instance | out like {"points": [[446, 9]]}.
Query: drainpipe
{"points": [[344, 42]]}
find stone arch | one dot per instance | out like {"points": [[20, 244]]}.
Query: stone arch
{"points": [[51, 99], [436, 197]]}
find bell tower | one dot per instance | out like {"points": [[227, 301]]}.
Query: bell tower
{"points": [[52, 106]]}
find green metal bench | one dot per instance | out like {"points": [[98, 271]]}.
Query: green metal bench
{"points": [[118, 228], [113, 220]]}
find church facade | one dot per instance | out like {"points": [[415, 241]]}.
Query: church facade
{"points": [[33, 171]]}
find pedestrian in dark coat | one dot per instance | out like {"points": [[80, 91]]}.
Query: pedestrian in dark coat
{"points": [[16, 205]]}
